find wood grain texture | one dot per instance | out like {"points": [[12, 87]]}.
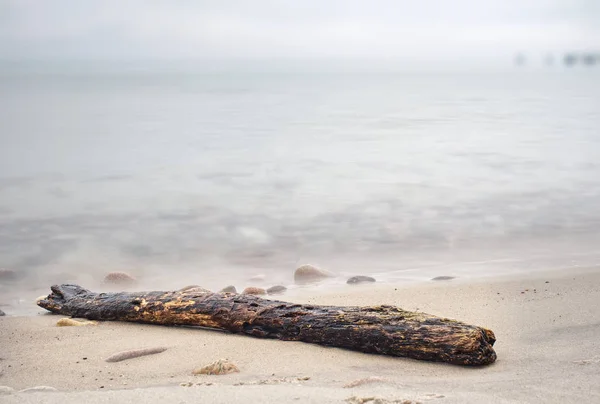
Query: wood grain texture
{"points": [[386, 330]]}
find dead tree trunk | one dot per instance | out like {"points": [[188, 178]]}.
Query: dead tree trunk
{"points": [[386, 330]]}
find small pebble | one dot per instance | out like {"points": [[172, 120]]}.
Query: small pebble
{"points": [[310, 274], [7, 274], [194, 288], [355, 280], [119, 278], [220, 367], [443, 278], [258, 278], [229, 289], [254, 291], [378, 400], [188, 287], [2, 313], [276, 290], [134, 353]]}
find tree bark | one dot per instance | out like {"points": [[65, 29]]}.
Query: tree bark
{"points": [[386, 330]]}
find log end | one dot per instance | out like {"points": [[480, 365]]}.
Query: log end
{"points": [[59, 296], [479, 350]]}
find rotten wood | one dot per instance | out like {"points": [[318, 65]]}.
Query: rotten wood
{"points": [[386, 330]]}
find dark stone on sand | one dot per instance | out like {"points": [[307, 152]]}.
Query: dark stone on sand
{"points": [[229, 289], [254, 291], [310, 274], [2, 313], [119, 278], [276, 290], [443, 278], [355, 280]]}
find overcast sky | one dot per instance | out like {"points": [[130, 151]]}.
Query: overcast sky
{"points": [[373, 29]]}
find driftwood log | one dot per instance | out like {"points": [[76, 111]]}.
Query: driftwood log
{"points": [[386, 330]]}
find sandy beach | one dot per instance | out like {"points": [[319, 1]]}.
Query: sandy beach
{"points": [[547, 327]]}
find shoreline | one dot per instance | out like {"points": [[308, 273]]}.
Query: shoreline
{"points": [[546, 323], [18, 298]]}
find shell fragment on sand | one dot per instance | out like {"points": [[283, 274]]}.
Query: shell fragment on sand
{"points": [[134, 353], [70, 322], [365, 381], [220, 367]]}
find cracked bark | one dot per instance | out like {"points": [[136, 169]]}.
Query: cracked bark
{"points": [[386, 330]]}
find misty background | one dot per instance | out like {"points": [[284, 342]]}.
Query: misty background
{"points": [[378, 32], [217, 140]]}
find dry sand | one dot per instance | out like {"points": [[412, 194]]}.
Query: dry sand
{"points": [[547, 326]]}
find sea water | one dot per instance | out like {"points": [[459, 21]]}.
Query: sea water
{"points": [[192, 176]]}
